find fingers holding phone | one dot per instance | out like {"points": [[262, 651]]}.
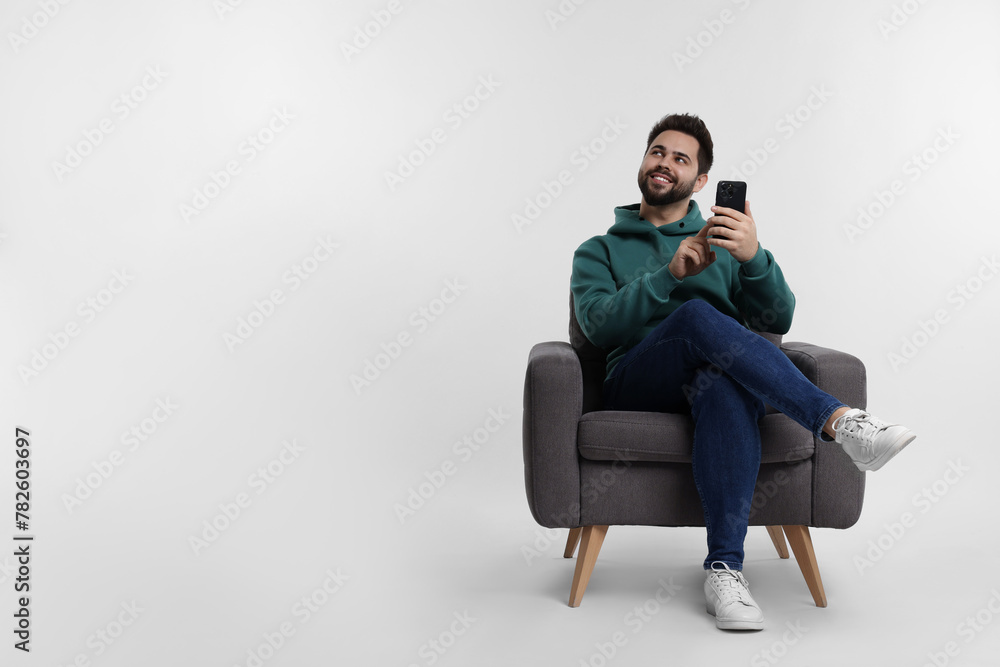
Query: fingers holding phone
{"points": [[732, 226]]}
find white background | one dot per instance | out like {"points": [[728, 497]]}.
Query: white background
{"points": [[844, 94]]}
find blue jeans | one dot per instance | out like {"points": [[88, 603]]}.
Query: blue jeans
{"points": [[705, 362]]}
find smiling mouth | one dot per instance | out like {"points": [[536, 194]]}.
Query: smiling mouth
{"points": [[660, 178]]}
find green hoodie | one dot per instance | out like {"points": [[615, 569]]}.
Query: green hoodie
{"points": [[622, 288]]}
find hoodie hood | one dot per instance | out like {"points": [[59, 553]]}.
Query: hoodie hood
{"points": [[627, 221]]}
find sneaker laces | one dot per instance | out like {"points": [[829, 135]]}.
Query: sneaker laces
{"points": [[858, 425], [732, 586]]}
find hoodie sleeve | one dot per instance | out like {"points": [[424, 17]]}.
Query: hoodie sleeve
{"points": [[610, 317], [761, 294]]}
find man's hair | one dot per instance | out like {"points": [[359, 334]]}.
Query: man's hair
{"points": [[688, 124]]}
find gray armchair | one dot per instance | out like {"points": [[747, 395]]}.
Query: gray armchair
{"points": [[587, 469]]}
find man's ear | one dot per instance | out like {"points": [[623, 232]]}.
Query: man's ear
{"points": [[700, 182]]}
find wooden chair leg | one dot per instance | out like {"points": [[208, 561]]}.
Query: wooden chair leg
{"points": [[590, 546], [778, 539], [571, 541], [802, 546]]}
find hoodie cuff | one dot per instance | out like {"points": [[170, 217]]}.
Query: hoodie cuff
{"points": [[663, 282], [756, 265]]}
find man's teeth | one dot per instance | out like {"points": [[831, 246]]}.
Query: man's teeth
{"points": [[662, 179]]}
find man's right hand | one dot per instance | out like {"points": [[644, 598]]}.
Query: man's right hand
{"points": [[693, 256]]}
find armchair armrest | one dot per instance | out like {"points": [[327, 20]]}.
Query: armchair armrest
{"points": [[553, 404], [838, 485]]}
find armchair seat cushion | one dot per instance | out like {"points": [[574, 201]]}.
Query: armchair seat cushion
{"points": [[608, 435]]}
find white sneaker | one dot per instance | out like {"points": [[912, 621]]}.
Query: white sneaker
{"points": [[727, 597], [870, 442]]}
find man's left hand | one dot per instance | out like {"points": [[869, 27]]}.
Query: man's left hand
{"points": [[738, 232]]}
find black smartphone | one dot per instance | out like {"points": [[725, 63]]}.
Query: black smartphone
{"points": [[731, 194]]}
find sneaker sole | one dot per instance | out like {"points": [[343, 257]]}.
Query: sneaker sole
{"points": [[902, 441], [733, 625]]}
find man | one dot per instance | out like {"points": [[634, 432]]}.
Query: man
{"points": [[671, 296]]}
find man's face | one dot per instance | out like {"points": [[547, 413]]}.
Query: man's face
{"points": [[669, 172]]}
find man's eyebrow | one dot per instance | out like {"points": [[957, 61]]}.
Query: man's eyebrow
{"points": [[684, 155]]}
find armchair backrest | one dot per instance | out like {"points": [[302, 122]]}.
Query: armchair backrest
{"points": [[593, 363]]}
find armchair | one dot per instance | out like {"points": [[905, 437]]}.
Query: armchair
{"points": [[586, 468]]}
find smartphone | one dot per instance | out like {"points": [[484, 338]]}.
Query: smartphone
{"points": [[731, 194]]}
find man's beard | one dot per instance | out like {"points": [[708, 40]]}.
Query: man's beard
{"points": [[677, 192]]}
